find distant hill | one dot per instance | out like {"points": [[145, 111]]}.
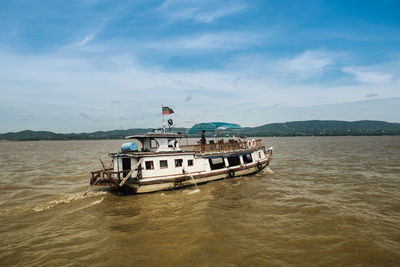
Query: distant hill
{"points": [[295, 128], [46, 135], [325, 128]]}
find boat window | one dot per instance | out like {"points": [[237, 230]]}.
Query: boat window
{"points": [[163, 164], [149, 165], [247, 158], [154, 143], [259, 155], [190, 162], [234, 161], [178, 162], [217, 163]]}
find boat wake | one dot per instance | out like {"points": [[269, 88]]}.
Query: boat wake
{"points": [[189, 192], [87, 206], [67, 199], [268, 170]]}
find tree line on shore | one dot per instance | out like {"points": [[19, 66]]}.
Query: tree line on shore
{"points": [[296, 128]]}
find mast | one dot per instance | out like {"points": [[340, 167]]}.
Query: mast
{"points": [[163, 119]]}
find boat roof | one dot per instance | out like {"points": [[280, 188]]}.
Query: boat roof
{"points": [[212, 126], [155, 135]]}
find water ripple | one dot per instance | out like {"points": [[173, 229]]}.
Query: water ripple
{"points": [[325, 201]]}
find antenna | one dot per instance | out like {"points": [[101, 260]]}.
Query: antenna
{"points": [[170, 124]]}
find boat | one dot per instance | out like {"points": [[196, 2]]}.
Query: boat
{"points": [[160, 161]]}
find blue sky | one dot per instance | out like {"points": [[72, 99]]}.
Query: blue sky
{"points": [[87, 65]]}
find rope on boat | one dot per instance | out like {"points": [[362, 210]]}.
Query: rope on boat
{"points": [[104, 169], [91, 187], [102, 164]]}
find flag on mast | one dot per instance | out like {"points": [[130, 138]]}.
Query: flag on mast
{"points": [[167, 110]]}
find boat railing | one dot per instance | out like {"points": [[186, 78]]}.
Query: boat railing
{"points": [[219, 146], [108, 175]]}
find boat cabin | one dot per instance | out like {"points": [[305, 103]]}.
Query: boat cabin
{"points": [[157, 142]]}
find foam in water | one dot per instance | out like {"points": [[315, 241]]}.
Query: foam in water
{"points": [[237, 183], [65, 200], [268, 170], [189, 192], [87, 206]]}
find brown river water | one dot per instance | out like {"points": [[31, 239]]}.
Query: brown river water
{"points": [[330, 201]]}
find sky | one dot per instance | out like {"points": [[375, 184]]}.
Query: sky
{"points": [[89, 65]]}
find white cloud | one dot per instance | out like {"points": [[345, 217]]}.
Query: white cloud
{"points": [[367, 75], [205, 11], [92, 34], [207, 41], [56, 88], [298, 67], [86, 39], [306, 64]]}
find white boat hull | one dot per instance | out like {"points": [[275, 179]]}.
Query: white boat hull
{"points": [[187, 180]]}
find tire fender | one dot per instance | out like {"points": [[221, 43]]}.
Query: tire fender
{"points": [[259, 165]]}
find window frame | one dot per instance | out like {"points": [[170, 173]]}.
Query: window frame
{"points": [[178, 160], [247, 161], [216, 166], [150, 162], [163, 167], [233, 159]]}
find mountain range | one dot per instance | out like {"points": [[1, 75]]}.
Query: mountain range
{"points": [[295, 128]]}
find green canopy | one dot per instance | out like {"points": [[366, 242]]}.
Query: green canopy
{"points": [[212, 126]]}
